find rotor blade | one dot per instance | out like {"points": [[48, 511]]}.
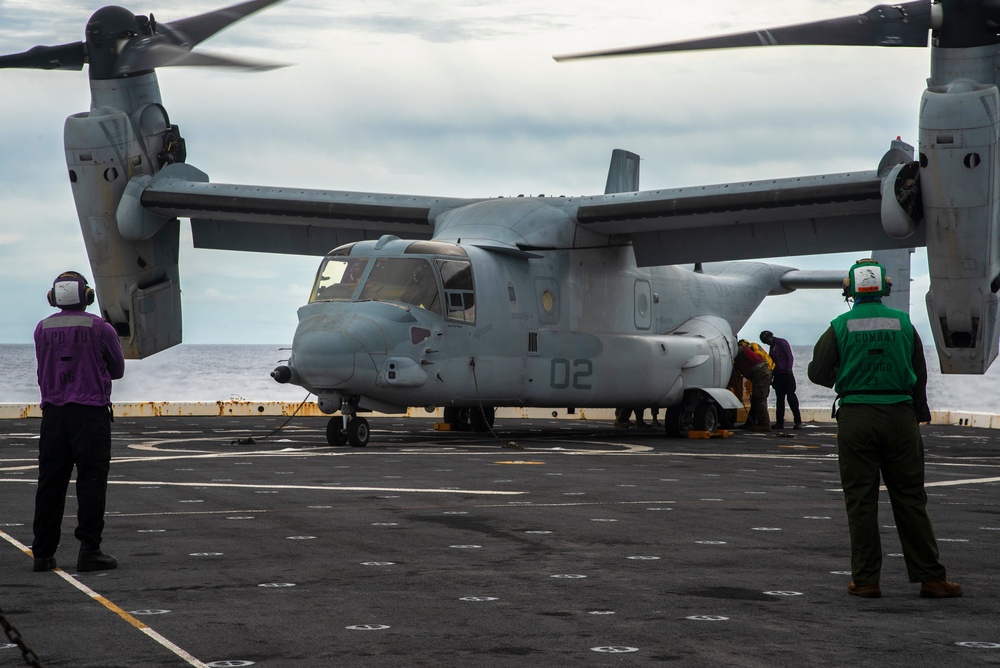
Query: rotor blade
{"points": [[906, 24], [62, 57], [196, 29], [148, 55]]}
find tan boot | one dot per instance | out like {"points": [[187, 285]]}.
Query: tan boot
{"points": [[939, 589], [865, 591]]}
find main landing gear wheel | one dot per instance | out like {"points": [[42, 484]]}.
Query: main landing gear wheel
{"points": [[476, 419], [706, 417], [679, 420], [482, 419]]}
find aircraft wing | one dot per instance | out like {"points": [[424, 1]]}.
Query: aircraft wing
{"points": [[758, 219], [272, 219]]}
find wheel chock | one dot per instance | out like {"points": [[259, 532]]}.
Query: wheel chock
{"points": [[442, 426], [719, 433]]}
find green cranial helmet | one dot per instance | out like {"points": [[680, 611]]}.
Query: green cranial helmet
{"points": [[867, 280]]}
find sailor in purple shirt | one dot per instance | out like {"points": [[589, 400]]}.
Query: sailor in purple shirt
{"points": [[782, 379], [78, 356]]}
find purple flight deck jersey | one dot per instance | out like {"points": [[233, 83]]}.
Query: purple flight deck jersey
{"points": [[781, 355], [78, 356]]}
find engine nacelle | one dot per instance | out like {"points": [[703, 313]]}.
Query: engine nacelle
{"points": [[136, 281], [959, 140]]}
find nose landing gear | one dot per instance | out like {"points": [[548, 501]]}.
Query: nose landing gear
{"points": [[355, 434], [348, 428]]}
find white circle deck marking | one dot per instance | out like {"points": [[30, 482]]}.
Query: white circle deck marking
{"points": [[205, 554], [319, 507], [466, 547], [367, 627], [538, 532], [643, 558], [979, 645], [710, 542], [602, 519], [708, 618], [841, 572], [615, 649], [229, 664], [783, 593], [240, 518], [601, 612], [766, 529], [568, 576], [479, 599], [378, 563], [191, 501], [385, 524], [277, 584], [148, 612], [816, 517], [300, 537], [151, 530]]}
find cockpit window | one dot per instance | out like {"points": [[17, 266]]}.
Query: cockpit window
{"points": [[459, 292], [338, 279], [407, 280]]}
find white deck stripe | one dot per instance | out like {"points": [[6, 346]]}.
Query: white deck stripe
{"points": [[180, 652]]}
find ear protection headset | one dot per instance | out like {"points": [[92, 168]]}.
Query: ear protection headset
{"points": [[70, 289], [867, 279]]}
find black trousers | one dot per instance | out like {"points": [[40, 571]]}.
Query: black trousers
{"points": [[784, 388], [72, 435]]}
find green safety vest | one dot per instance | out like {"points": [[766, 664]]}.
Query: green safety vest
{"points": [[876, 349]]}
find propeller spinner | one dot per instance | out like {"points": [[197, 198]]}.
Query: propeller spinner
{"points": [[120, 44]]}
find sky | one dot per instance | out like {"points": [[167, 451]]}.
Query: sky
{"points": [[458, 98]]}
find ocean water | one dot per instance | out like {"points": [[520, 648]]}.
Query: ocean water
{"points": [[192, 372]]}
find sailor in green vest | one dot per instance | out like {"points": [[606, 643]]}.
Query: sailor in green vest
{"points": [[873, 357]]}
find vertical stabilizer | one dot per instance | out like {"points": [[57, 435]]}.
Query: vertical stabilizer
{"points": [[623, 175], [897, 268]]}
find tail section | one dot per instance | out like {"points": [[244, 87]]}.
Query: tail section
{"points": [[623, 174]]}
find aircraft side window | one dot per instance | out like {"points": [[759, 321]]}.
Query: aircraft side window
{"points": [[408, 280], [337, 279], [459, 290]]}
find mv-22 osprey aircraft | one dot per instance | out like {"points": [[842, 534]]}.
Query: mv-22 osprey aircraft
{"points": [[607, 300]]}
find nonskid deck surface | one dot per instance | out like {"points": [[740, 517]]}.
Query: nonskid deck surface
{"points": [[584, 545]]}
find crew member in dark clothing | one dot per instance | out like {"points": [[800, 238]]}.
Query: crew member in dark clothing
{"points": [[782, 379], [873, 357], [753, 367], [78, 355]]}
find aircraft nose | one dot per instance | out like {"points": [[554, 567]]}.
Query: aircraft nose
{"points": [[326, 359]]}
